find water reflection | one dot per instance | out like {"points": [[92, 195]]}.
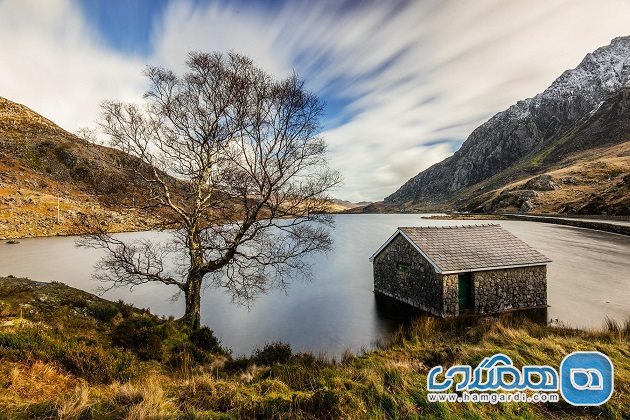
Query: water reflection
{"points": [[403, 314], [396, 311]]}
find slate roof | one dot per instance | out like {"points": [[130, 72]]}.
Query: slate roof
{"points": [[471, 248]]}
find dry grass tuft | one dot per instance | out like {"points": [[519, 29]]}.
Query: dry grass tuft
{"points": [[74, 404], [145, 399], [39, 381]]}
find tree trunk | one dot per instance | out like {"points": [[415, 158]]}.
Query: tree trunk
{"points": [[193, 301]]}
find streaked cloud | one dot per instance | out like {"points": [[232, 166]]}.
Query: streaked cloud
{"points": [[53, 62], [405, 82]]}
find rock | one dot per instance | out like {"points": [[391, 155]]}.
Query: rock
{"points": [[515, 198], [569, 180], [526, 206], [524, 194], [543, 182]]}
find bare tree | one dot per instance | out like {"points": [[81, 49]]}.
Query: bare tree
{"points": [[231, 161], [89, 135]]}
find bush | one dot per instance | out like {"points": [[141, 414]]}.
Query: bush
{"points": [[126, 309], [22, 343], [306, 359], [204, 339], [76, 301], [66, 156], [103, 311], [237, 365], [271, 353], [96, 364], [184, 356], [140, 336], [89, 362], [324, 404]]}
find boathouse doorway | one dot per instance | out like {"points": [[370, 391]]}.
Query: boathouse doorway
{"points": [[465, 292]]}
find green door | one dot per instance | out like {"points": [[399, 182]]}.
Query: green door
{"points": [[465, 292]]}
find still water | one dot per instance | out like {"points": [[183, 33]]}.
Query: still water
{"points": [[588, 280]]}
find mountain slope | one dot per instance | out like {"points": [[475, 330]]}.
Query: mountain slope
{"points": [[586, 170], [528, 136], [43, 167]]}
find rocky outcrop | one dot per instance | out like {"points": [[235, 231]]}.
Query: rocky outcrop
{"points": [[543, 182], [532, 129], [516, 199]]}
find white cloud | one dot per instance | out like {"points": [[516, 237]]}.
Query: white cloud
{"points": [[418, 77], [53, 63]]}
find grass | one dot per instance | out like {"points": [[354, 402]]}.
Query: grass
{"points": [[50, 371]]}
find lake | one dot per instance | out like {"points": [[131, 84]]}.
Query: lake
{"points": [[588, 280]]}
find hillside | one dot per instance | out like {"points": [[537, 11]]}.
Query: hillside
{"points": [[336, 205], [584, 171], [67, 354], [575, 128], [40, 163], [43, 168]]}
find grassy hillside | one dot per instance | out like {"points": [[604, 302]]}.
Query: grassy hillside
{"points": [[41, 163], [596, 181], [67, 354]]}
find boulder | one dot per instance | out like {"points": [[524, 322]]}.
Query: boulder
{"points": [[569, 180], [526, 206], [506, 199], [543, 182]]}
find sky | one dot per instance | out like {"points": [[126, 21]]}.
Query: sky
{"points": [[404, 82]]}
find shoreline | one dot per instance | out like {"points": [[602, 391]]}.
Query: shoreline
{"points": [[65, 235], [598, 222], [603, 225]]}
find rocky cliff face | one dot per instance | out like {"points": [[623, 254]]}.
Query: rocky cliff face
{"points": [[585, 170], [523, 130]]}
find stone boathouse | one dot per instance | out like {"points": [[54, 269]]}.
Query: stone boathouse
{"points": [[448, 271]]}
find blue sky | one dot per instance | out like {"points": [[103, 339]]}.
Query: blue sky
{"points": [[405, 82], [126, 25]]}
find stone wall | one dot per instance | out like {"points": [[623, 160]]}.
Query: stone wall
{"points": [[420, 286], [509, 289], [450, 300]]}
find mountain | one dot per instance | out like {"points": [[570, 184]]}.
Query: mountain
{"points": [[584, 110], [338, 205], [43, 168]]}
